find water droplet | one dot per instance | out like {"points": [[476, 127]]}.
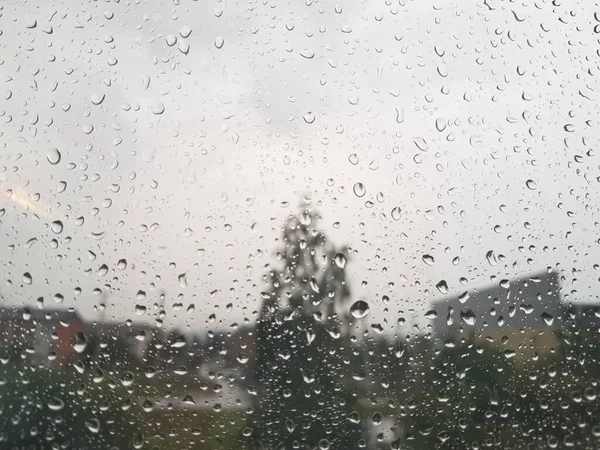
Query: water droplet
{"points": [[548, 319], [442, 286], [359, 189], [127, 379], [122, 264], [428, 259], [531, 184], [157, 107], [53, 156], [185, 31], [56, 404], [93, 425], [97, 99], [340, 260], [353, 158], [182, 280], [421, 144], [359, 309], [171, 40], [491, 258], [56, 226], [140, 310], [290, 425], [81, 342], [308, 54], [431, 314], [468, 317], [309, 117], [396, 213], [27, 278], [219, 41]]}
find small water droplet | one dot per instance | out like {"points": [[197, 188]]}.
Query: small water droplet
{"points": [[27, 278], [219, 41], [396, 213]]}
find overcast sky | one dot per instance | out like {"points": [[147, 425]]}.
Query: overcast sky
{"points": [[188, 131]]}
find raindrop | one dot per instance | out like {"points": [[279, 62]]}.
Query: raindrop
{"points": [[468, 317], [396, 213], [340, 260], [182, 280], [548, 319], [140, 310], [353, 158], [359, 309], [219, 41], [53, 156], [56, 404], [157, 107], [56, 226], [122, 264], [27, 278], [97, 99], [491, 258], [428, 259], [309, 117], [359, 189], [185, 31], [531, 184], [442, 286], [431, 314], [81, 342], [93, 425]]}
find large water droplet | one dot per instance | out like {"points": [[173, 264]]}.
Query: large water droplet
{"points": [[53, 156], [396, 213], [468, 317], [56, 404], [359, 309], [428, 259], [340, 260], [56, 226], [81, 342], [93, 425], [359, 189], [442, 286]]}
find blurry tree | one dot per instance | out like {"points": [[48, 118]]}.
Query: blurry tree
{"points": [[304, 398]]}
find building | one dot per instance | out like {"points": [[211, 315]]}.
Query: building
{"points": [[522, 315]]}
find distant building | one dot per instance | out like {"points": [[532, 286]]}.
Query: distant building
{"points": [[521, 314], [46, 336]]}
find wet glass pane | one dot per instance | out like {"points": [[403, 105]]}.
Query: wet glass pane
{"points": [[299, 225]]}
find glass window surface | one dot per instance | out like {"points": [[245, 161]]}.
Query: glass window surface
{"points": [[300, 224]]}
